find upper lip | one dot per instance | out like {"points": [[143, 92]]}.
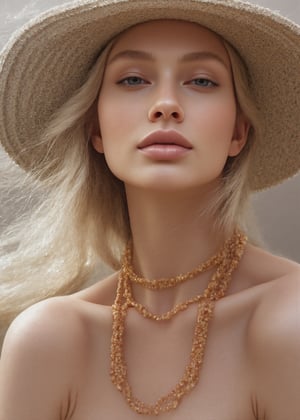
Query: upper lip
{"points": [[165, 137]]}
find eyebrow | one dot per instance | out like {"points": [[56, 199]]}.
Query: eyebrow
{"points": [[193, 56], [133, 54], [203, 55]]}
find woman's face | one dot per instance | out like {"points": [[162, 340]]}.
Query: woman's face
{"points": [[167, 110]]}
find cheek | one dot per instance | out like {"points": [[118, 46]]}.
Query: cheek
{"points": [[114, 123], [217, 118], [116, 118]]}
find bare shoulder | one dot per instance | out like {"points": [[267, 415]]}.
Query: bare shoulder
{"points": [[261, 266], [277, 310], [39, 349], [274, 338], [45, 322], [277, 314]]}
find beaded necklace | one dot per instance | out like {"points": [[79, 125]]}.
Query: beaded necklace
{"points": [[226, 262]]}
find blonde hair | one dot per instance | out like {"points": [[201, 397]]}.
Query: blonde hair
{"points": [[230, 203], [81, 216]]}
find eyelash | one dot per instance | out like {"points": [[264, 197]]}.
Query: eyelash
{"points": [[125, 81], [208, 83]]}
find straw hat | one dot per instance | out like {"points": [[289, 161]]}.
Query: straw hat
{"points": [[48, 59]]}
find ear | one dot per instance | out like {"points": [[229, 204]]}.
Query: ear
{"points": [[97, 143], [95, 133], [240, 135]]}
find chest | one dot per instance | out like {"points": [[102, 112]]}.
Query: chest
{"points": [[157, 355]]}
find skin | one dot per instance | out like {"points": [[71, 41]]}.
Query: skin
{"points": [[61, 347]]}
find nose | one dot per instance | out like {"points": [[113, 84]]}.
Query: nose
{"points": [[166, 107]]}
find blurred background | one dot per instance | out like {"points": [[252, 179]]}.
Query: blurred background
{"points": [[277, 210]]}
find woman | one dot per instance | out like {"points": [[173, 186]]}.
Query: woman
{"points": [[148, 164]]}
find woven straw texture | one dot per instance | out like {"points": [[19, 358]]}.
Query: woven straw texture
{"points": [[48, 59]]}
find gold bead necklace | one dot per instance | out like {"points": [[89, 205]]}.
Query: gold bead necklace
{"points": [[226, 261], [165, 283]]}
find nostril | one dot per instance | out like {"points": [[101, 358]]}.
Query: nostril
{"points": [[165, 113], [159, 114]]}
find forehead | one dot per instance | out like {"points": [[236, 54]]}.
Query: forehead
{"points": [[170, 35]]}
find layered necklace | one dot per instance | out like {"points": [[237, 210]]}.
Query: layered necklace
{"points": [[225, 262]]}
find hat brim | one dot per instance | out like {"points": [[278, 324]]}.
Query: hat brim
{"points": [[48, 59]]}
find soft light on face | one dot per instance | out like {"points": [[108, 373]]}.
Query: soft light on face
{"points": [[161, 84]]}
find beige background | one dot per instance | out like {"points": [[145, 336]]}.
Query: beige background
{"points": [[277, 210]]}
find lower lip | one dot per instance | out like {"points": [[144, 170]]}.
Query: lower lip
{"points": [[164, 151]]}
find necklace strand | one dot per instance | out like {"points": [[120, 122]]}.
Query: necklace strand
{"points": [[165, 283], [215, 289], [231, 254]]}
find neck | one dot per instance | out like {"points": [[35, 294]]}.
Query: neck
{"points": [[171, 235]]}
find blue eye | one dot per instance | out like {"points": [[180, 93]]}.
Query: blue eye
{"points": [[132, 81], [202, 82]]}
